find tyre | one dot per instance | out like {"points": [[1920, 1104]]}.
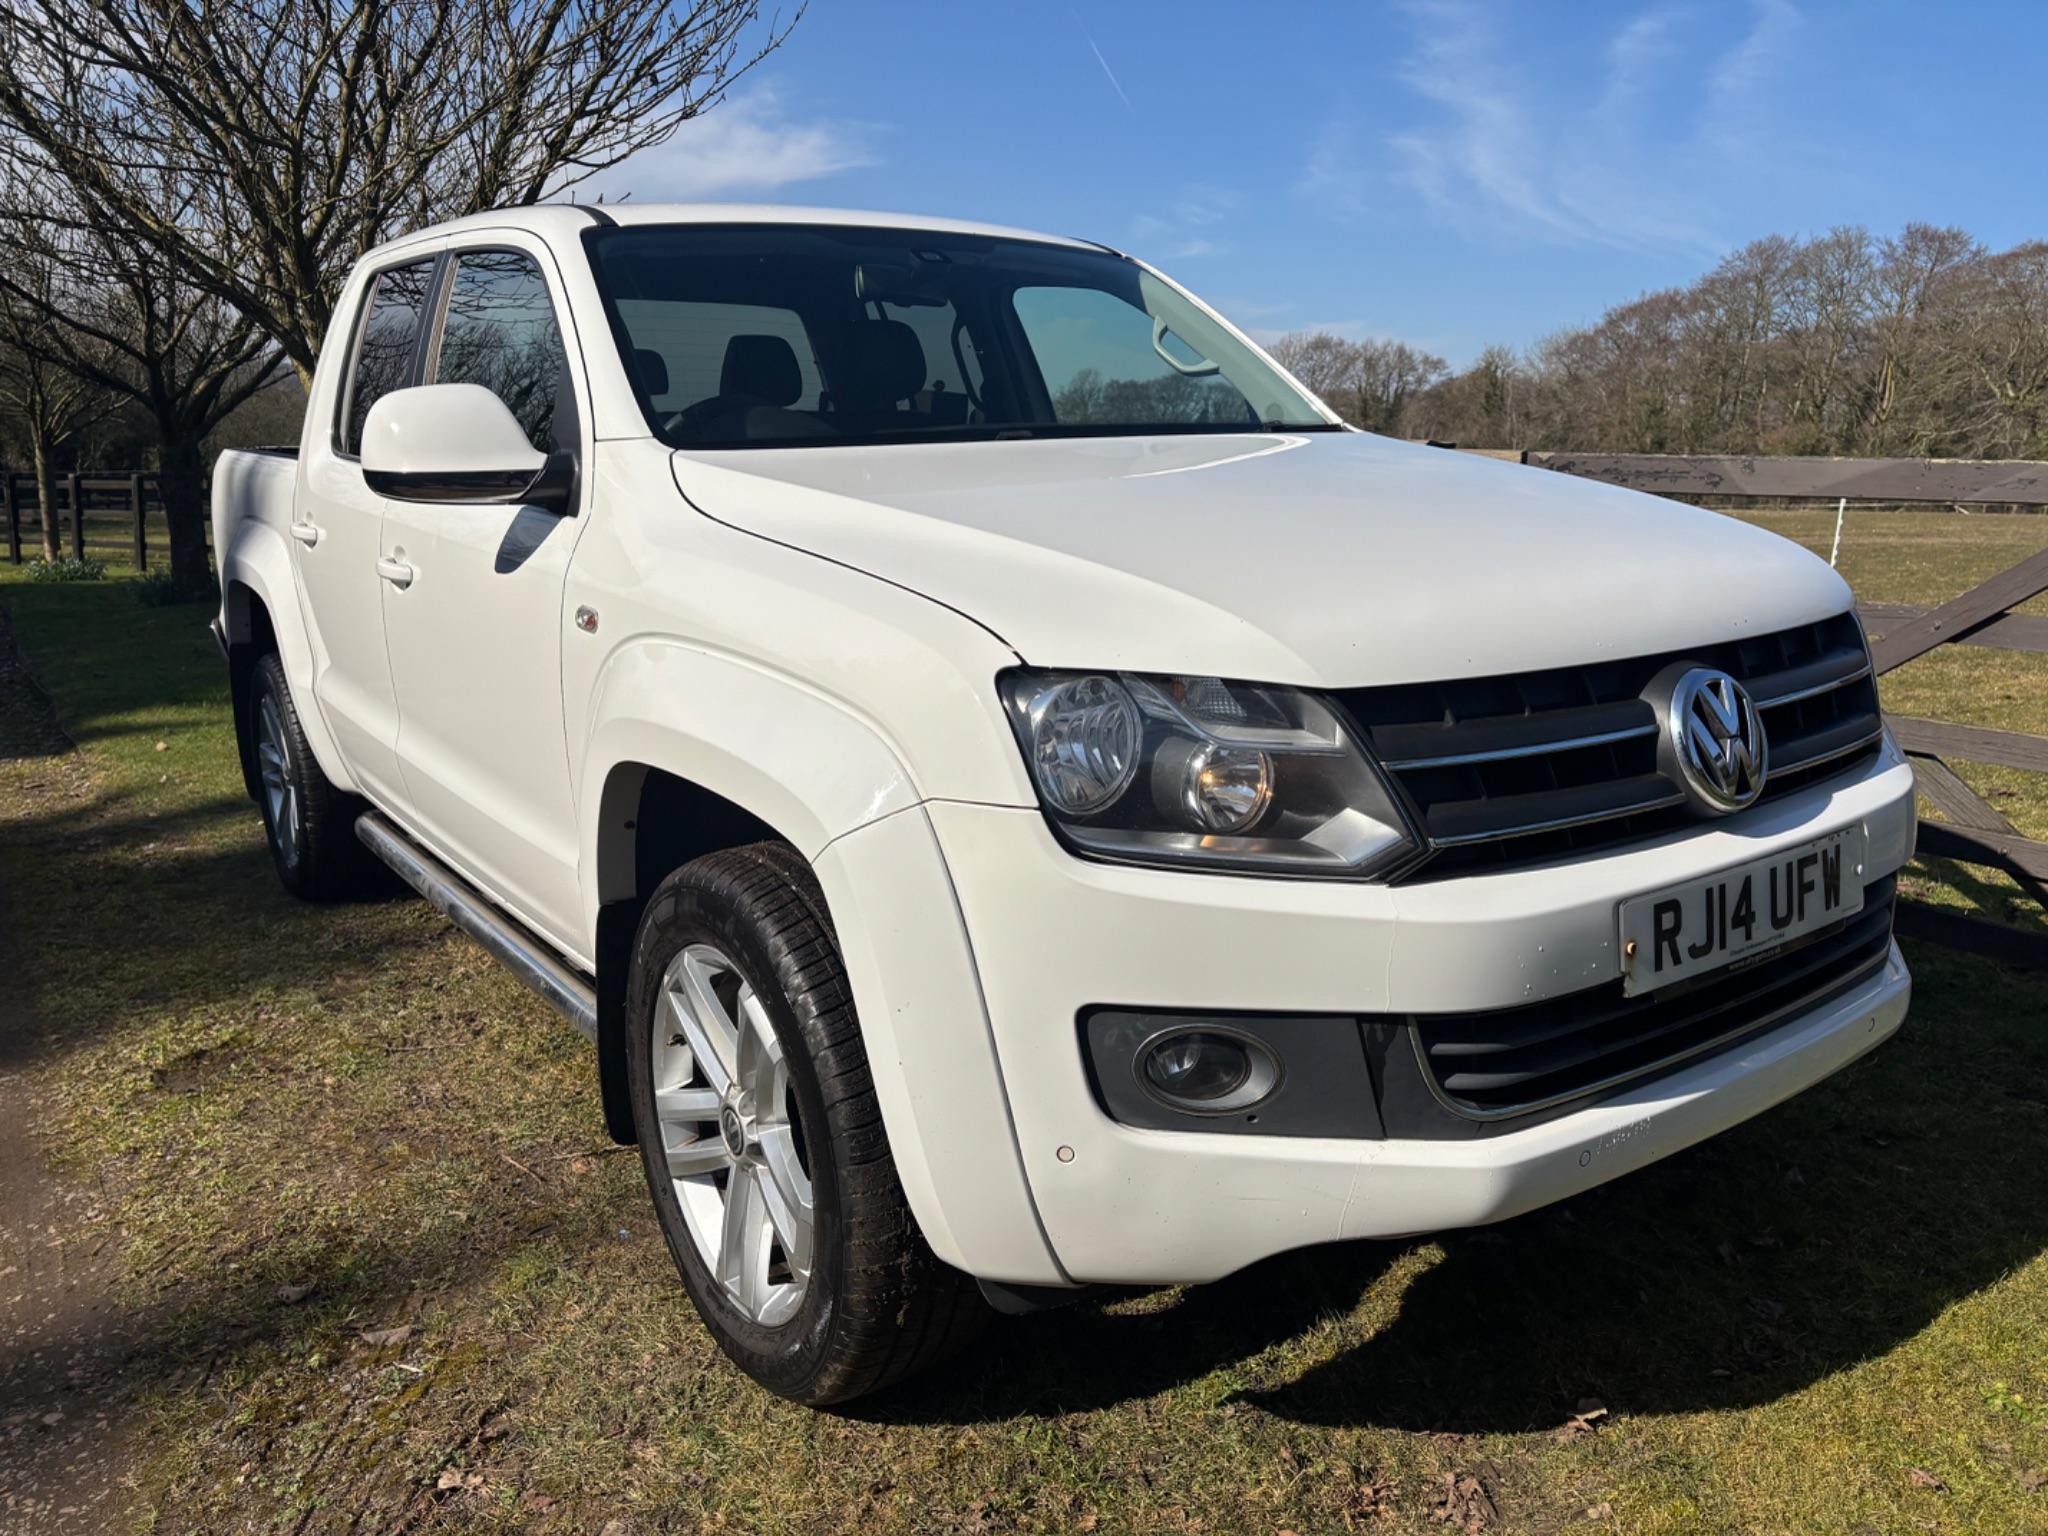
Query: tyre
{"points": [[763, 1142], [309, 823]]}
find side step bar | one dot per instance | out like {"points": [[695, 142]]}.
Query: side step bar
{"points": [[526, 956]]}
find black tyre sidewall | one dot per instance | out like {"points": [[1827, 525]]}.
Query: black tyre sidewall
{"points": [[787, 1358], [270, 683]]}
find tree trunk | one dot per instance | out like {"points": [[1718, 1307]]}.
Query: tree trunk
{"points": [[181, 483], [46, 495]]}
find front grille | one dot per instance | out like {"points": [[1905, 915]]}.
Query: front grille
{"points": [[1505, 772], [1511, 1061]]}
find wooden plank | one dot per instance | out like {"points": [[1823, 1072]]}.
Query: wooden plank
{"points": [[1952, 930], [1972, 845], [2014, 632], [13, 509], [1972, 743], [1961, 805], [135, 507], [2021, 482], [1960, 616], [77, 516]]}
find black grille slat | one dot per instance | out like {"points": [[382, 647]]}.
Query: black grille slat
{"points": [[1450, 823], [1509, 1060], [1816, 744], [1508, 771], [1500, 736], [1844, 664]]}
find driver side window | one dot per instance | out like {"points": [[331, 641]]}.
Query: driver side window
{"points": [[500, 331]]}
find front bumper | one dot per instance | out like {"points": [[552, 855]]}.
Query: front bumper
{"points": [[1053, 936]]}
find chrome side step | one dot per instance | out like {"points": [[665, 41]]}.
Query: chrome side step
{"points": [[525, 955]]}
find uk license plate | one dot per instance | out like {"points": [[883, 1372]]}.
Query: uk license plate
{"points": [[1740, 913]]}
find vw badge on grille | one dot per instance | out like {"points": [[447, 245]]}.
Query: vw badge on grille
{"points": [[1717, 741]]}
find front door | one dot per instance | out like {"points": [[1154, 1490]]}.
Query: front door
{"points": [[476, 632], [337, 537]]}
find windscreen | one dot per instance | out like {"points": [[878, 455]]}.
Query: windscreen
{"points": [[781, 335]]}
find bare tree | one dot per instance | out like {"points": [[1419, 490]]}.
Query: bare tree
{"points": [[44, 402], [310, 130], [1924, 343], [1369, 383], [136, 328]]}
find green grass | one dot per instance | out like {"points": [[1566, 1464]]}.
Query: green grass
{"points": [[1783, 1323]]}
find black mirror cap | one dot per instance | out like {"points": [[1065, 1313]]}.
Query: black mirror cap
{"points": [[552, 488]]}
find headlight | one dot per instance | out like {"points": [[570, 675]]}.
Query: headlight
{"points": [[1194, 770]]}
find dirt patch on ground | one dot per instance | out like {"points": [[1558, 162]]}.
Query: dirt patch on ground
{"points": [[67, 1358]]}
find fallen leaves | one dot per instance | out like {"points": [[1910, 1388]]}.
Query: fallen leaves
{"points": [[292, 1295], [1920, 1477], [1584, 1420], [1372, 1498], [1462, 1502], [386, 1338]]}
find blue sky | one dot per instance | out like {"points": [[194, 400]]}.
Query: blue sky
{"points": [[1451, 173]]}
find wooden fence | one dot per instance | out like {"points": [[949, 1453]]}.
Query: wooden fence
{"points": [[1973, 831], [105, 515]]}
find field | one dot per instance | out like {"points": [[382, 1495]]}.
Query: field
{"points": [[358, 1257]]}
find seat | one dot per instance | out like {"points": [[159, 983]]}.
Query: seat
{"points": [[758, 382], [761, 370], [881, 364]]}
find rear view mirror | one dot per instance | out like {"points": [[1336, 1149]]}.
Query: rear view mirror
{"points": [[905, 287], [458, 443]]}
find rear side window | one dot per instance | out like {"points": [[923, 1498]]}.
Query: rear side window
{"points": [[501, 332], [391, 329]]}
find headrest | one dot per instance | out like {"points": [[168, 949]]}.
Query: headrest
{"points": [[883, 363], [761, 368], [652, 369]]}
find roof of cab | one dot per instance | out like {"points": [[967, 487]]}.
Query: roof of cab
{"points": [[557, 220]]}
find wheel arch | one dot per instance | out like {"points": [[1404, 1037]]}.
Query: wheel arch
{"points": [[260, 614], [691, 752]]}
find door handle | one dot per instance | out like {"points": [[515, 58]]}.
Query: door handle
{"points": [[307, 534], [397, 572]]}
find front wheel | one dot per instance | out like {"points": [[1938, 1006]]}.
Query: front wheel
{"points": [[763, 1141]]}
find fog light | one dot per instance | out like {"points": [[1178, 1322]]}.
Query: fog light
{"points": [[1207, 1071]]}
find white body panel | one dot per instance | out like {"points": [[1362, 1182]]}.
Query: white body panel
{"points": [[814, 635], [1350, 559]]}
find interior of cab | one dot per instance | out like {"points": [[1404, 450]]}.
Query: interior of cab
{"points": [[791, 335]]}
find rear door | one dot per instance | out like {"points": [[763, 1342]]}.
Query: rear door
{"points": [[337, 530], [476, 634]]}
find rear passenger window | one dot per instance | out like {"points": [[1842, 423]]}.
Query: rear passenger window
{"points": [[501, 332], [391, 328]]}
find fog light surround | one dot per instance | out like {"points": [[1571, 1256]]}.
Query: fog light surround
{"points": [[1206, 1069]]}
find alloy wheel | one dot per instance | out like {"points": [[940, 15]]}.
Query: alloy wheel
{"points": [[729, 1130], [280, 794]]}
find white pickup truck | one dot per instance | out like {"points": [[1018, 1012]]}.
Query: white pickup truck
{"points": [[1015, 789]]}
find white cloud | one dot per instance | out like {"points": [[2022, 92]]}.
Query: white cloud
{"points": [[746, 144], [1502, 149], [1189, 228]]}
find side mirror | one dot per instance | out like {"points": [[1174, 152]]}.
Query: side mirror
{"points": [[459, 442]]}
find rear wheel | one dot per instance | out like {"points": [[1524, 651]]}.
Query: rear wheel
{"points": [[309, 824], [763, 1142]]}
